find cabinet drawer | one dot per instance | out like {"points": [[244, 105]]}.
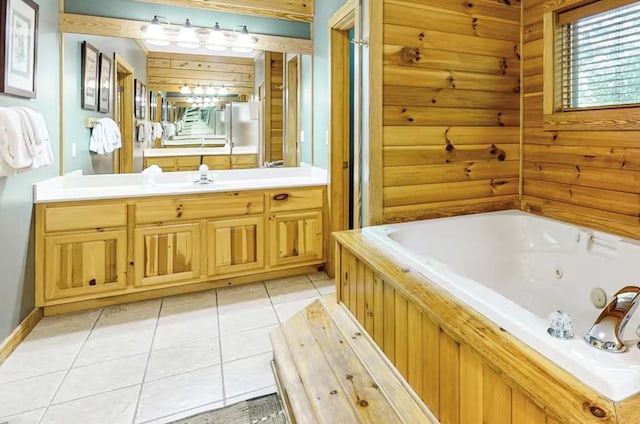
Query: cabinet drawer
{"points": [[244, 161], [217, 162], [187, 163], [64, 218], [295, 200], [166, 163], [185, 209]]}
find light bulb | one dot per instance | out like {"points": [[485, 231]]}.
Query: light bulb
{"points": [[187, 37], [154, 33], [185, 89], [191, 100], [223, 91], [198, 90], [211, 90], [217, 39]]}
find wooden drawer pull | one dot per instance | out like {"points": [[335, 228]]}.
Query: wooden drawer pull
{"points": [[281, 197]]}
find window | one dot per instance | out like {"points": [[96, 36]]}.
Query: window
{"points": [[598, 56]]}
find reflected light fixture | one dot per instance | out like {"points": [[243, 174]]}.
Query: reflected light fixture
{"points": [[191, 100], [244, 41], [154, 33], [223, 91], [185, 89], [217, 39], [198, 90], [187, 37], [211, 90]]}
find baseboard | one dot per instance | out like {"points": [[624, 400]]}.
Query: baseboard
{"points": [[19, 334]]}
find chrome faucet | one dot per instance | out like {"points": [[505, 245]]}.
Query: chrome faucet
{"points": [[274, 164], [606, 332], [203, 171]]}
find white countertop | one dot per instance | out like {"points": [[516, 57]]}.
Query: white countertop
{"points": [[199, 151], [113, 186]]}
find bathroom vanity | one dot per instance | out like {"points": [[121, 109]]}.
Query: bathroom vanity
{"points": [[106, 239], [189, 158]]}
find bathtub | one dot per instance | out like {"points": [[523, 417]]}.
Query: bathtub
{"points": [[516, 268]]}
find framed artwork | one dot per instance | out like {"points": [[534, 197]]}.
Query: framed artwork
{"points": [[153, 105], [19, 49], [104, 90], [89, 89], [137, 91], [143, 101]]}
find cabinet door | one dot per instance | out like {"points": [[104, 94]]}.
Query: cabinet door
{"points": [[296, 237], [235, 245], [167, 254], [85, 263]]}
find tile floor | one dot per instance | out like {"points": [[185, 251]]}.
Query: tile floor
{"points": [[153, 361]]}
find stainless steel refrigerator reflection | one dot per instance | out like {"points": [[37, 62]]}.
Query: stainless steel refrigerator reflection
{"points": [[242, 125]]}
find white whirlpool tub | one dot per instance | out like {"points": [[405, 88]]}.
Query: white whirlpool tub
{"points": [[516, 268]]}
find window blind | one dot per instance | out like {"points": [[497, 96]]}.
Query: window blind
{"points": [[600, 59]]}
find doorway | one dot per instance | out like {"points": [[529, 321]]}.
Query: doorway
{"points": [[344, 128], [123, 114]]}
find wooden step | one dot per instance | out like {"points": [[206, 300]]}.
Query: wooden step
{"points": [[329, 371]]}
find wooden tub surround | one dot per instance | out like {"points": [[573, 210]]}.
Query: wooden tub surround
{"points": [[465, 368]]}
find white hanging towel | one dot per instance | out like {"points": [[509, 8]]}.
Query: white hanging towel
{"points": [[34, 126], [157, 130], [105, 137], [14, 147]]}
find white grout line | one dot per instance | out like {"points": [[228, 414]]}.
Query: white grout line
{"points": [[84, 342], [220, 345], [146, 367]]}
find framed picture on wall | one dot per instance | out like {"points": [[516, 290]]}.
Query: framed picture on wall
{"points": [[19, 52], [143, 101], [137, 88], [89, 89], [104, 90]]}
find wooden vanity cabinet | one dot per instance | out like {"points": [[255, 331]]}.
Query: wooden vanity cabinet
{"points": [[90, 250]]}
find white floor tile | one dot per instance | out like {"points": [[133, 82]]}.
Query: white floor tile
{"points": [[242, 297], [288, 291], [171, 395], [248, 375], [31, 417], [184, 358], [318, 276], [247, 319], [66, 329], [286, 280], [187, 413], [115, 407], [206, 299], [29, 362], [289, 309], [131, 317], [101, 349], [178, 326], [250, 395], [31, 393], [325, 286], [102, 377], [248, 343]]}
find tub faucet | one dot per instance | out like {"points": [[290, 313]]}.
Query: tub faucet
{"points": [[606, 332]]}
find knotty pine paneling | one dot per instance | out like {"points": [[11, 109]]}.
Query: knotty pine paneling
{"points": [[585, 177], [167, 70], [276, 136], [451, 115]]}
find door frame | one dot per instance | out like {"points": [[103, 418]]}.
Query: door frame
{"points": [[292, 113], [123, 114], [340, 23]]}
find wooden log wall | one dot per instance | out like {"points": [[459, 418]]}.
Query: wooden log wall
{"points": [[585, 177], [276, 135], [451, 107], [169, 71]]}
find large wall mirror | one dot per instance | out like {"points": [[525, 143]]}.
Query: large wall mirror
{"points": [[224, 109]]}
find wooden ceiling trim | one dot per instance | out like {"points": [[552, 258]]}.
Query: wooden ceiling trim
{"points": [[113, 27], [292, 10]]}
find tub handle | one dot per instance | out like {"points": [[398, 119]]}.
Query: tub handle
{"points": [[592, 239]]}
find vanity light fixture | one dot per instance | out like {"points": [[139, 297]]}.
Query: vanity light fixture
{"points": [[244, 42], [217, 40], [187, 37], [211, 90], [198, 90], [185, 89], [223, 91], [191, 100], [154, 33]]}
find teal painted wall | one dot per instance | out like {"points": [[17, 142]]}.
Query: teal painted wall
{"points": [[16, 200], [306, 109], [126, 9], [74, 116], [323, 11]]}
